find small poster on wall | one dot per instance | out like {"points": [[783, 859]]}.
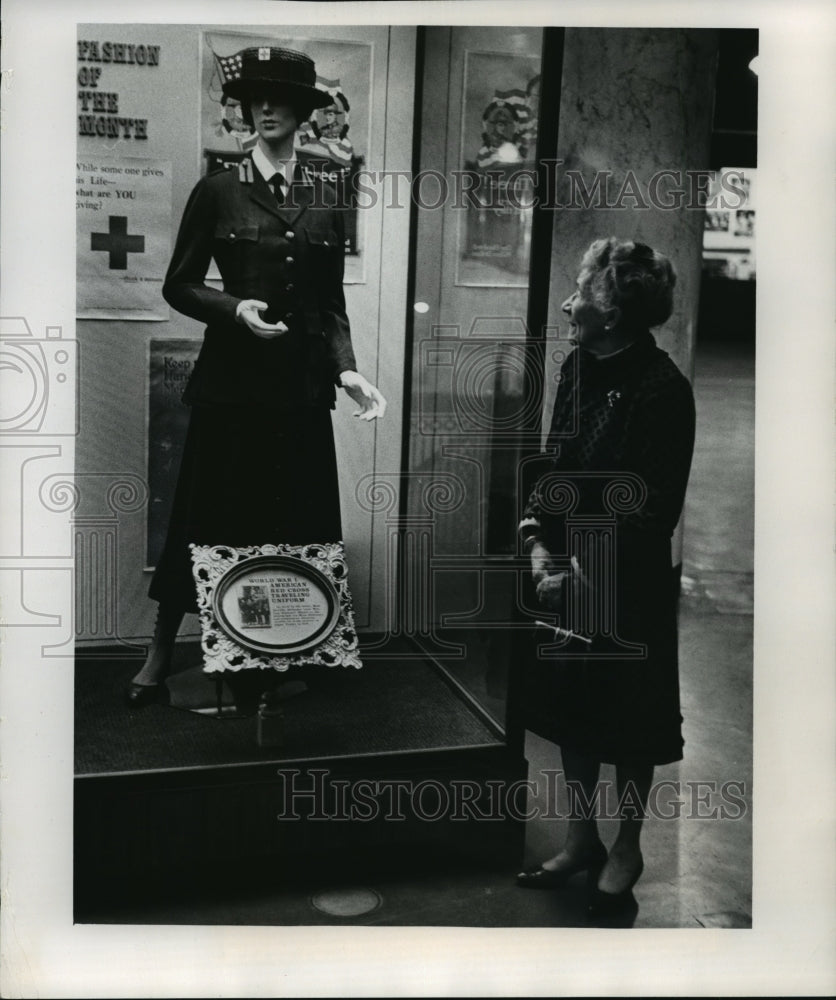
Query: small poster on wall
{"points": [[333, 142], [498, 146], [170, 363], [729, 237], [123, 237]]}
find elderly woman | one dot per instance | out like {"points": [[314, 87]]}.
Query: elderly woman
{"points": [[259, 462], [622, 433]]}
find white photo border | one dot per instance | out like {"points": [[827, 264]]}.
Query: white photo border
{"points": [[789, 950]]}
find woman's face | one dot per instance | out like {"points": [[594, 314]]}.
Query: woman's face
{"points": [[273, 118], [588, 324]]}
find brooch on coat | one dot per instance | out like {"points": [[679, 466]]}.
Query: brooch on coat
{"points": [[613, 397]]}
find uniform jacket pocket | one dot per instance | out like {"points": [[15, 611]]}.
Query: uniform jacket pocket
{"points": [[326, 240], [232, 234]]}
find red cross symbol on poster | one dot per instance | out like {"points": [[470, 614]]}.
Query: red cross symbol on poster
{"points": [[117, 242]]}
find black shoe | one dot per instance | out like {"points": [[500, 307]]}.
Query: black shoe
{"points": [[541, 878], [608, 904], [139, 695]]}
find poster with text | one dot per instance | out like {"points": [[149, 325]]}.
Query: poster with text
{"points": [[123, 237]]}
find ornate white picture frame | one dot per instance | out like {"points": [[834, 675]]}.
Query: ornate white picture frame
{"points": [[274, 606]]}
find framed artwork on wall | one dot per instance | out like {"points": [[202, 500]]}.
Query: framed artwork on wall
{"points": [[500, 105]]}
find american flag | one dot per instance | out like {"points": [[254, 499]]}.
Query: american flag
{"points": [[229, 66]]}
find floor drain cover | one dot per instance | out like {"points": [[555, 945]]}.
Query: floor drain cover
{"points": [[346, 902]]}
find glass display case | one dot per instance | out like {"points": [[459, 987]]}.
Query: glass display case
{"points": [[473, 396], [427, 733]]}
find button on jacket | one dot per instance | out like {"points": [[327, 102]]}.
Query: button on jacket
{"points": [[290, 256]]}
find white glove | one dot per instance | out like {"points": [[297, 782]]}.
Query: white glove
{"points": [[365, 395], [247, 312]]}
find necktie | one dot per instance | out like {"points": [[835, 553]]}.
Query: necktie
{"points": [[277, 184]]}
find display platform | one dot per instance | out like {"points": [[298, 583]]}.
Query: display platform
{"points": [[394, 754]]}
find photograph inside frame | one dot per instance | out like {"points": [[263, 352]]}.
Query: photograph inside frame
{"points": [[422, 360]]}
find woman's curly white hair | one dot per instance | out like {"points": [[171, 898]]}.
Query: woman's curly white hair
{"points": [[631, 277]]}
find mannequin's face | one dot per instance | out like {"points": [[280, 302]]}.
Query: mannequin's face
{"points": [[273, 117]]}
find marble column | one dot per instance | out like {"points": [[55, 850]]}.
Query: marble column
{"points": [[635, 118]]}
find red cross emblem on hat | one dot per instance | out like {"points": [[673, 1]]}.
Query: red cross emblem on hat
{"points": [[264, 55]]}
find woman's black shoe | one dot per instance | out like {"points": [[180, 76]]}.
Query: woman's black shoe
{"points": [[608, 904], [139, 695], [541, 878]]}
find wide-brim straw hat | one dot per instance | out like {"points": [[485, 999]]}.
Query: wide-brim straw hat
{"points": [[272, 67]]}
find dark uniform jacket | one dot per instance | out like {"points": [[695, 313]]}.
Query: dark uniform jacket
{"points": [[290, 256]]}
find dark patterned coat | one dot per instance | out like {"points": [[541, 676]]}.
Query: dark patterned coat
{"points": [[622, 434], [259, 463]]}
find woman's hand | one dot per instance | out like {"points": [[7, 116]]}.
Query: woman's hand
{"points": [[247, 313], [541, 562], [365, 395], [553, 586], [550, 585], [552, 592]]}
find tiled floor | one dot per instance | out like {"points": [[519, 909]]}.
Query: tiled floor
{"points": [[698, 867]]}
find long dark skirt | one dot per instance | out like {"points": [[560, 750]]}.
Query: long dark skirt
{"points": [[249, 476], [615, 709]]}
